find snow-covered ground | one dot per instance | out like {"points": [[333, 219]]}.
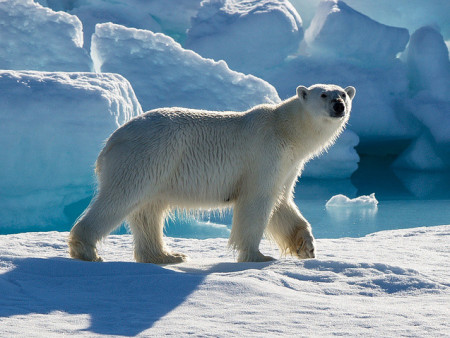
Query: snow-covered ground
{"points": [[388, 284]]}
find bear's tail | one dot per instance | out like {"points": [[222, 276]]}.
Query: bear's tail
{"points": [[101, 156]]}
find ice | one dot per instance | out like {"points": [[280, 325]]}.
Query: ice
{"points": [[162, 73], [427, 59], [337, 30], [128, 13], [355, 287], [248, 35], [36, 38], [53, 127], [342, 201], [157, 16], [410, 14], [345, 210], [400, 114], [422, 154]]}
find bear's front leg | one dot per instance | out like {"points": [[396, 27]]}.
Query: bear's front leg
{"points": [[250, 218], [291, 231], [305, 243]]}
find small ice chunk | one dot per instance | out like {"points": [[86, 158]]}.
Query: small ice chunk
{"points": [[361, 201]]}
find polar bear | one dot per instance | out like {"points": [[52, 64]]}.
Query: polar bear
{"points": [[195, 159]]}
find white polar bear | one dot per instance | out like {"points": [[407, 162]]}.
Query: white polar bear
{"points": [[184, 158]]}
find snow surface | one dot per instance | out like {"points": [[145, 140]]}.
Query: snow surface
{"points": [[388, 284], [53, 127], [163, 74], [36, 38]]}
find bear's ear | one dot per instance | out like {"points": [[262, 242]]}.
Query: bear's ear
{"points": [[302, 92], [351, 91]]}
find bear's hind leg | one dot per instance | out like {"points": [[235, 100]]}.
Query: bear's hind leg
{"points": [[99, 219], [147, 223]]}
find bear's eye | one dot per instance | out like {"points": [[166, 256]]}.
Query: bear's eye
{"points": [[323, 95], [343, 95]]}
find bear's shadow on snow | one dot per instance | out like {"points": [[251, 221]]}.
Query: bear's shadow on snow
{"points": [[121, 298]]}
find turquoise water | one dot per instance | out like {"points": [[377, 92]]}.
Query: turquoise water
{"points": [[333, 223]]}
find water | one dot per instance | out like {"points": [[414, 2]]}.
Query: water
{"points": [[390, 214]]}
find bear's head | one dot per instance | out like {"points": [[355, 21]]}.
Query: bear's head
{"points": [[329, 101]]}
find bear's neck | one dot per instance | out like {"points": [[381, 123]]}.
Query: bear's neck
{"points": [[305, 134]]}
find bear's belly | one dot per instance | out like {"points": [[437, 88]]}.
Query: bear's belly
{"points": [[192, 193]]}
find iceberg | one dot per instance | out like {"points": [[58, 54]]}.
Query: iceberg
{"points": [[157, 16], [36, 38], [54, 126], [163, 74], [427, 59], [249, 35], [428, 64], [338, 30]]}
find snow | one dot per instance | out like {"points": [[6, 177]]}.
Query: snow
{"points": [[37, 38], [391, 283], [163, 74], [262, 33], [53, 127], [342, 201]]}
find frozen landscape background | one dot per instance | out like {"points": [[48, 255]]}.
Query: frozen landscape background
{"points": [[222, 55], [72, 71]]}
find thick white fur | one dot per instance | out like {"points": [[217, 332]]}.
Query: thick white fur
{"points": [[183, 158]]}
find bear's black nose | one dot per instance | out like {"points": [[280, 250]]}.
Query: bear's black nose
{"points": [[339, 108]]}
